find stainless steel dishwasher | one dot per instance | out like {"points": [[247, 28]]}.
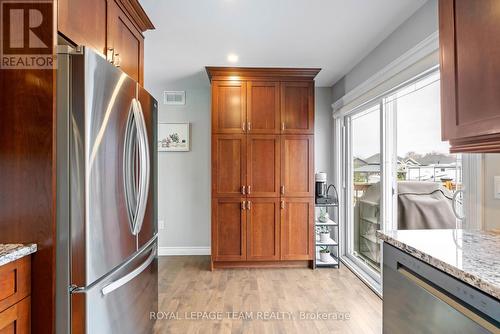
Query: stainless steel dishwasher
{"points": [[419, 298]]}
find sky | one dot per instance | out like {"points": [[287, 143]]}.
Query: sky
{"points": [[418, 121]]}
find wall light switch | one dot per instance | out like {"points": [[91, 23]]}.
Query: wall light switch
{"points": [[497, 187], [161, 224]]}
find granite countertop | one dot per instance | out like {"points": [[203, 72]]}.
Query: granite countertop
{"points": [[12, 252], [470, 256]]}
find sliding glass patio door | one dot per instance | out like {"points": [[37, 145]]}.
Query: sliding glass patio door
{"points": [[393, 157], [363, 188]]}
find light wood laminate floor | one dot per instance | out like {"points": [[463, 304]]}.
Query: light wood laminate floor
{"points": [[186, 285]]}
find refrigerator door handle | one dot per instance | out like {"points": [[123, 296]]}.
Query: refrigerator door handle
{"points": [[144, 169], [132, 143], [130, 276]]}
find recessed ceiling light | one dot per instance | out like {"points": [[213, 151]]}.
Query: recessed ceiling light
{"points": [[232, 58]]}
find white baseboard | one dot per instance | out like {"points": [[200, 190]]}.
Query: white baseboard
{"points": [[166, 251]]}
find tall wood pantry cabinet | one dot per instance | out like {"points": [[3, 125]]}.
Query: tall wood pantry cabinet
{"points": [[262, 166]]}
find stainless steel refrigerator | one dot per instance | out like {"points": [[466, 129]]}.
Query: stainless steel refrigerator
{"points": [[107, 274]]}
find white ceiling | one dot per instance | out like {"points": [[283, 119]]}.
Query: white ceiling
{"points": [[332, 34]]}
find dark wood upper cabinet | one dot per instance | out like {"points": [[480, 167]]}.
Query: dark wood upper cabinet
{"points": [[297, 166], [297, 229], [228, 165], [470, 68], [297, 107], [263, 165], [127, 43], [228, 229], [229, 107], [111, 27], [263, 229], [83, 22], [263, 107]]}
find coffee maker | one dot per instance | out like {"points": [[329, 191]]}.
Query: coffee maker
{"points": [[323, 195]]}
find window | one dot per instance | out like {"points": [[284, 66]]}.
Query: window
{"points": [[394, 158]]}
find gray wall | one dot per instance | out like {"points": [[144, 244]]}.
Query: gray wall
{"points": [[414, 30], [323, 145], [184, 177]]}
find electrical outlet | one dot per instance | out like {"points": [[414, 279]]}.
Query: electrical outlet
{"points": [[161, 224]]}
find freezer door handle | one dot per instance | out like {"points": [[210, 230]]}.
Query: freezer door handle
{"points": [[130, 276]]}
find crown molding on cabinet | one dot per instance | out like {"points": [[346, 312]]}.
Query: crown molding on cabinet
{"points": [[260, 73]]}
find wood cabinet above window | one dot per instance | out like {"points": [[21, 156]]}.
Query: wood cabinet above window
{"points": [[470, 70], [112, 27]]}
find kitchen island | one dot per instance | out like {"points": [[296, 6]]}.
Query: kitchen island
{"points": [[441, 281]]}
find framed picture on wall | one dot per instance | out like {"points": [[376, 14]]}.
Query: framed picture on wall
{"points": [[173, 137]]}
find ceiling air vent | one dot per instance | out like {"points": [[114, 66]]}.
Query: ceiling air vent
{"points": [[174, 98]]}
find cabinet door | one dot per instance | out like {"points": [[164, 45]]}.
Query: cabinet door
{"points": [[263, 229], [126, 41], [263, 165], [228, 107], [228, 229], [263, 107], [470, 68], [297, 166], [297, 107], [297, 233], [228, 165], [83, 22], [16, 319]]}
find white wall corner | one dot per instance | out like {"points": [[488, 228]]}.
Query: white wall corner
{"points": [[168, 251]]}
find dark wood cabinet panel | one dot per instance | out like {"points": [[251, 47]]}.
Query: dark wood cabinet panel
{"points": [[297, 233], [16, 319], [297, 166], [126, 41], [228, 107], [228, 229], [297, 107], [228, 165], [263, 229], [83, 22], [263, 107], [470, 67], [15, 282], [263, 165]]}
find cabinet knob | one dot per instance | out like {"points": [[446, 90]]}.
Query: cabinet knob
{"points": [[243, 127], [282, 190], [243, 190], [243, 205], [249, 205], [249, 190], [283, 126], [249, 126], [282, 204]]}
